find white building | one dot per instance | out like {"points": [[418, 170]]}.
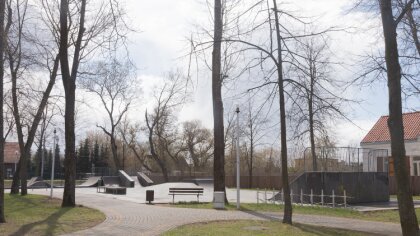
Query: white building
{"points": [[379, 138]]}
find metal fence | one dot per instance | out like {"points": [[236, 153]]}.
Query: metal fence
{"points": [[343, 159]]}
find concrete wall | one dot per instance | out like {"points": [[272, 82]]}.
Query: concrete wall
{"points": [[360, 187]]}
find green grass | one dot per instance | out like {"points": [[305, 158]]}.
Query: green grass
{"points": [[383, 216], [251, 228], [58, 182], [37, 215]]}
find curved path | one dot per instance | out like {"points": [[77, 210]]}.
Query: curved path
{"points": [[133, 218]]}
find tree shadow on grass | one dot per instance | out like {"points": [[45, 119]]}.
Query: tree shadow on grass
{"points": [[51, 221], [260, 215], [315, 230]]}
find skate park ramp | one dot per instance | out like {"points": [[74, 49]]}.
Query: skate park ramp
{"points": [[144, 180], [90, 182], [204, 182], [33, 180], [39, 184], [125, 179]]}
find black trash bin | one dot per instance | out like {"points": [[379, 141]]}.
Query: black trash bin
{"points": [[150, 196]]}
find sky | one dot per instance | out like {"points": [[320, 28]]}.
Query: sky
{"points": [[163, 27]]}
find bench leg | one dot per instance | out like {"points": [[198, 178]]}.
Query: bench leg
{"points": [[173, 198]]}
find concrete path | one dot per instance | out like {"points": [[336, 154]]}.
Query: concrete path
{"points": [[133, 218]]}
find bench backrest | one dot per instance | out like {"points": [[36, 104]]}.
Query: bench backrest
{"points": [[186, 190]]}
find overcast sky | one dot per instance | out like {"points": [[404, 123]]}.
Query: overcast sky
{"points": [[164, 25]]}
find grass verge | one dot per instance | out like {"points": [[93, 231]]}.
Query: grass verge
{"points": [[249, 227], [383, 216], [37, 215]]}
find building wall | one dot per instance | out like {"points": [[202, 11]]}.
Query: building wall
{"points": [[412, 149]]}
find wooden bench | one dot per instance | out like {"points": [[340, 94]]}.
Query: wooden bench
{"points": [[185, 191]]}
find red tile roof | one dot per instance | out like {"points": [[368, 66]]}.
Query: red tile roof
{"points": [[380, 132], [10, 150]]}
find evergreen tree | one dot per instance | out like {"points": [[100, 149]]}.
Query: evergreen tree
{"points": [[57, 165], [83, 160]]}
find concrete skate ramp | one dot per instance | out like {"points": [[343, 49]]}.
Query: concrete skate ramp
{"points": [[204, 182], [144, 180], [90, 182], [33, 180], [39, 184], [125, 179]]}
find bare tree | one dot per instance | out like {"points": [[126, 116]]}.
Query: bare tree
{"points": [[198, 144], [113, 82], [217, 78], [2, 51], [86, 31], [317, 101], [390, 23], [159, 123], [18, 64], [129, 134], [254, 131]]}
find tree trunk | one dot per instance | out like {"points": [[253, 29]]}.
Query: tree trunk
{"points": [[408, 217], [2, 49], [251, 156], [16, 180], [287, 215], [69, 198], [219, 144], [311, 125], [114, 152]]}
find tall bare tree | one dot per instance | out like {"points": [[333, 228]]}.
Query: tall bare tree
{"points": [[160, 122], [86, 33], [113, 82], [20, 60], [254, 132], [2, 51], [217, 77], [390, 23]]}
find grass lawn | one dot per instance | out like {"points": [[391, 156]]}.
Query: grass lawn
{"points": [[384, 216], [37, 215], [59, 182], [249, 227]]}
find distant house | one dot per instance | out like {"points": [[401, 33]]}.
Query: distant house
{"points": [[11, 158], [379, 138]]}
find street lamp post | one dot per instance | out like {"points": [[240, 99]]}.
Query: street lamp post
{"points": [[238, 166], [53, 165]]}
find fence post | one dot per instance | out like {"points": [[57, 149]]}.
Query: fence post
{"points": [[265, 196], [312, 197], [322, 196], [273, 197], [282, 195], [333, 198], [345, 199], [301, 197], [258, 195]]}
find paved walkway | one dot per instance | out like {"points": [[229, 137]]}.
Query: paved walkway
{"points": [[133, 218]]}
